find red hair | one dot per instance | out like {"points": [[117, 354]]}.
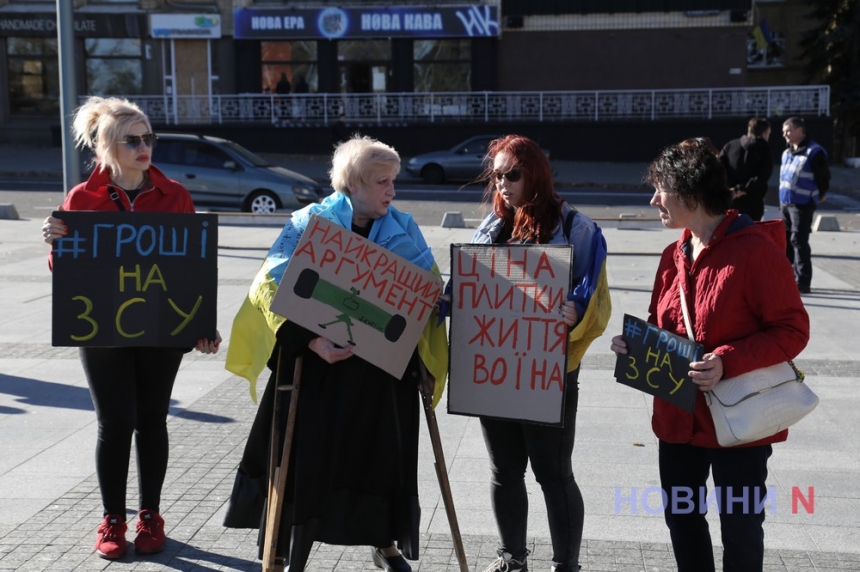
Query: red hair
{"points": [[534, 220]]}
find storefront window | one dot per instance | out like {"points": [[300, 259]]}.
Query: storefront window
{"points": [[113, 66], [294, 61], [34, 76], [365, 65], [442, 65]]}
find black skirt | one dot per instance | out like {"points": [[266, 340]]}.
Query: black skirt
{"points": [[353, 469]]}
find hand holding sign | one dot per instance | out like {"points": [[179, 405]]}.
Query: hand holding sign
{"points": [[657, 362]]}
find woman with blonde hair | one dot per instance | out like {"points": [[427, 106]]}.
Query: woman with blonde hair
{"points": [[130, 386], [354, 465]]}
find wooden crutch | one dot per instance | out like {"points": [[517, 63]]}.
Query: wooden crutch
{"points": [[441, 468], [278, 471]]}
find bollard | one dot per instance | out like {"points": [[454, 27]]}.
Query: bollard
{"points": [[824, 223], [453, 219], [8, 211]]}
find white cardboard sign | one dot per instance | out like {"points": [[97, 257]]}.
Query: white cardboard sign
{"points": [[354, 292], [508, 339]]}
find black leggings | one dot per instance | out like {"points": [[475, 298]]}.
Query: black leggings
{"points": [[512, 445], [131, 388]]}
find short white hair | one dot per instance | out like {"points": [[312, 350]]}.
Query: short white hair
{"points": [[357, 161]]}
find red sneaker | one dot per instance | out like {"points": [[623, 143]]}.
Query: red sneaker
{"points": [[150, 533], [110, 542]]}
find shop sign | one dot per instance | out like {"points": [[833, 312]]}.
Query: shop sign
{"points": [[185, 26], [465, 21], [86, 25]]}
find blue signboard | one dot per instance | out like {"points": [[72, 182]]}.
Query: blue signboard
{"points": [[466, 21]]}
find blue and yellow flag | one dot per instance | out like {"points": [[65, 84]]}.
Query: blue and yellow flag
{"points": [[252, 337], [593, 295]]}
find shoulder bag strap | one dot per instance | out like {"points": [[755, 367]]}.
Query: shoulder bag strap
{"points": [[114, 195], [686, 313], [568, 221]]}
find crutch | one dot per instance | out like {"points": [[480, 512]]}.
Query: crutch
{"points": [[278, 471], [441, 468]]}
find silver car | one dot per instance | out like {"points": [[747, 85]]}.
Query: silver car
{"points": [[222, 173], [463, 161]]}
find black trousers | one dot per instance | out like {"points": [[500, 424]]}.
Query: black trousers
{"points": [[130, 389], [512, 445], [739, 478], [798, 227]]}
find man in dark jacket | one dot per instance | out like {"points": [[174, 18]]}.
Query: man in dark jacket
{"points": [[749, 165], [804, 179]]}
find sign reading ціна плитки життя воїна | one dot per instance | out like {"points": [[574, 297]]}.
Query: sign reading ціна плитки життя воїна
{"points": [[135, 279], [508, 338]]}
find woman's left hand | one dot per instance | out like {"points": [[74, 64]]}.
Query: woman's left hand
{"points": [[568, 313], [708, 372], [209, 346]]}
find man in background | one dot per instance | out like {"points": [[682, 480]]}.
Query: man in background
{"points": [[804, 178], [749, 165]]}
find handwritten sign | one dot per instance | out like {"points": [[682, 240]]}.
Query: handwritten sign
{"points": [[355, 292], [135, 279], [657, 362], [508, 339]]}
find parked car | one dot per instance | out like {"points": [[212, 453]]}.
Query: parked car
{"points": [[220, 172], [463, 161]]}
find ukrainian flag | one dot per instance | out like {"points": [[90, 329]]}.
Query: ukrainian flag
{"points": [[592, 294], [252, 337]]}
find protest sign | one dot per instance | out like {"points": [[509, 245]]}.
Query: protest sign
{"points": [[135, 279], [355, 292], [657, 362], [508, 338]]}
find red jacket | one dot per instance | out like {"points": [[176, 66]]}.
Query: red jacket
{"points": [[744, 306], [163, 195]]}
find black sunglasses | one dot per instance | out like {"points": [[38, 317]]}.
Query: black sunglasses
{"points": [[133, 141], [512, 176]]}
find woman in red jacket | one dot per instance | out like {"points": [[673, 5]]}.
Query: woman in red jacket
{"points": [[130, 386], [746, 311]]}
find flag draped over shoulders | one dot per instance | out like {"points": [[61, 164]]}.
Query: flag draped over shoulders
{"points": [[593, 294], [252, 337]]}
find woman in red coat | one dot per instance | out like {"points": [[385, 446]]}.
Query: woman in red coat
{"points": [[130, 386], [745, 309]]}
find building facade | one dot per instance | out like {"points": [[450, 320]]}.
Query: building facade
{"points": [[172, 49]]}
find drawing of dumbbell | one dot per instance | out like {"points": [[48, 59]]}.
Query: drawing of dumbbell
{"points": [[309, 285]]}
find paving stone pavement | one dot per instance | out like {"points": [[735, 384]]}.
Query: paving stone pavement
{"points": [[42, 393]]}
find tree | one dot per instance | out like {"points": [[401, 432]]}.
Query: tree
{"points": [[832, 52]]}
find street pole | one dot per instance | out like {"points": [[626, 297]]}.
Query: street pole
{"points": [[68, 92]]}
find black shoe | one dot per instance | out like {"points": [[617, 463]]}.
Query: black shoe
{"points": [[390, 563], [804, 290]]}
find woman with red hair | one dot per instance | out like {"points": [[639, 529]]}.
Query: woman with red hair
{"points": [[527, 210]]}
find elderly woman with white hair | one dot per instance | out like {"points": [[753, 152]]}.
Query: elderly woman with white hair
{"points": [[353, 469]]}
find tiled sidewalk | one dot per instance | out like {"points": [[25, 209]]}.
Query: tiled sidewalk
{"points": [[207, 441]]}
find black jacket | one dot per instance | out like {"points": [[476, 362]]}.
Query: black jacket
{"points": [[749, 165]]}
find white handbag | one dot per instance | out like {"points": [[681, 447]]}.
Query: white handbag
{"points": [[756, 404]]}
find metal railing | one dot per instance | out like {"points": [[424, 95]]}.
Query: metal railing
{"points": [[484, 107]]}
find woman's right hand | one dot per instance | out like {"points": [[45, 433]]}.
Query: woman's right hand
{"points": [[618, 345], [328, 351], [53, 228]]}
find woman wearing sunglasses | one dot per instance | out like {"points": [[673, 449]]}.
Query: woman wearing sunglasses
{"points": [[527, 210], [130, 386]]}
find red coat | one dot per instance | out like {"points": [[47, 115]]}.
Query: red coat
{"points": [[744, 306], [164, 195]]}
